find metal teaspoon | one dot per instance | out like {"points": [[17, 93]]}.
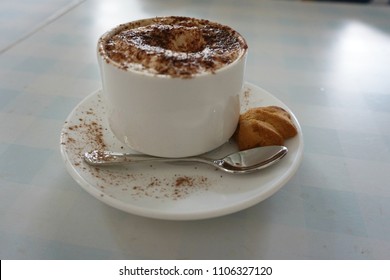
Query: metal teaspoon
{"points": [[238, 163]]}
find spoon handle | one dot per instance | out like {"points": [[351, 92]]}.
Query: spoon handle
{"points": [[112, 158]]}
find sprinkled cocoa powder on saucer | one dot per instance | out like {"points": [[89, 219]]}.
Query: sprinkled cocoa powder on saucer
{"points": [[184, 181], [88, 131]]}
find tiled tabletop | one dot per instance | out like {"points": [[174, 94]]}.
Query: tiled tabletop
{"points": [[328, 62]]}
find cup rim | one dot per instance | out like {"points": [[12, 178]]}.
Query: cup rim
{"points": [[106, 59]]}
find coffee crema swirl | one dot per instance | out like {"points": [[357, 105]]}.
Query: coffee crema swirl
{"points": [[173, 46]]}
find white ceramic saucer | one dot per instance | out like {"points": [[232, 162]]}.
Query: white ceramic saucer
{"points": [[170, 191]]}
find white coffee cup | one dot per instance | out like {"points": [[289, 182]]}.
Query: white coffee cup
{"points": [[171, 116]]}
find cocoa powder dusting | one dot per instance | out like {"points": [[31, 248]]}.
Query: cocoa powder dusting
{"points": [[174, 46], [184, 181], [175, 187]]}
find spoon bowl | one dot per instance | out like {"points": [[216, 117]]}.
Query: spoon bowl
{"points": [[242, 162]]}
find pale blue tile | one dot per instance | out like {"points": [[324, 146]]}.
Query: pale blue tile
{"points": [[344, 98], [11, 60], [284, 207], [365, 146], [8, 36], [28, 104], [22, 246], [329, 172], [378, 102], [336, 246], [304, 63], [322, 141], [310, 95], [332, 211], [376, 211], [381, 16], [36, 65], [387, 141], [90, 71], [294, 40], [8, 14], [66, 39], [21, 163], [60, 107], [214, 230], [9, 194], [3, 147], [6, 96]]}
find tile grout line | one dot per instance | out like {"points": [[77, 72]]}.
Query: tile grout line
{"points": [[41, 25]]}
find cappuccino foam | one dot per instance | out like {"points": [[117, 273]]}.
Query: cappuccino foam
{"points": [[173, 46]]}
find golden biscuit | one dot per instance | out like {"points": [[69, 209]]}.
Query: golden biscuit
{"points": [[264, 126]]}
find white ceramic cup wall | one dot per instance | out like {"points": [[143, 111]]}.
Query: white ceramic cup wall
{"points": [[169, 116]]}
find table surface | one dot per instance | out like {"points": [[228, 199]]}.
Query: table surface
{"points": [[328, 62]]}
